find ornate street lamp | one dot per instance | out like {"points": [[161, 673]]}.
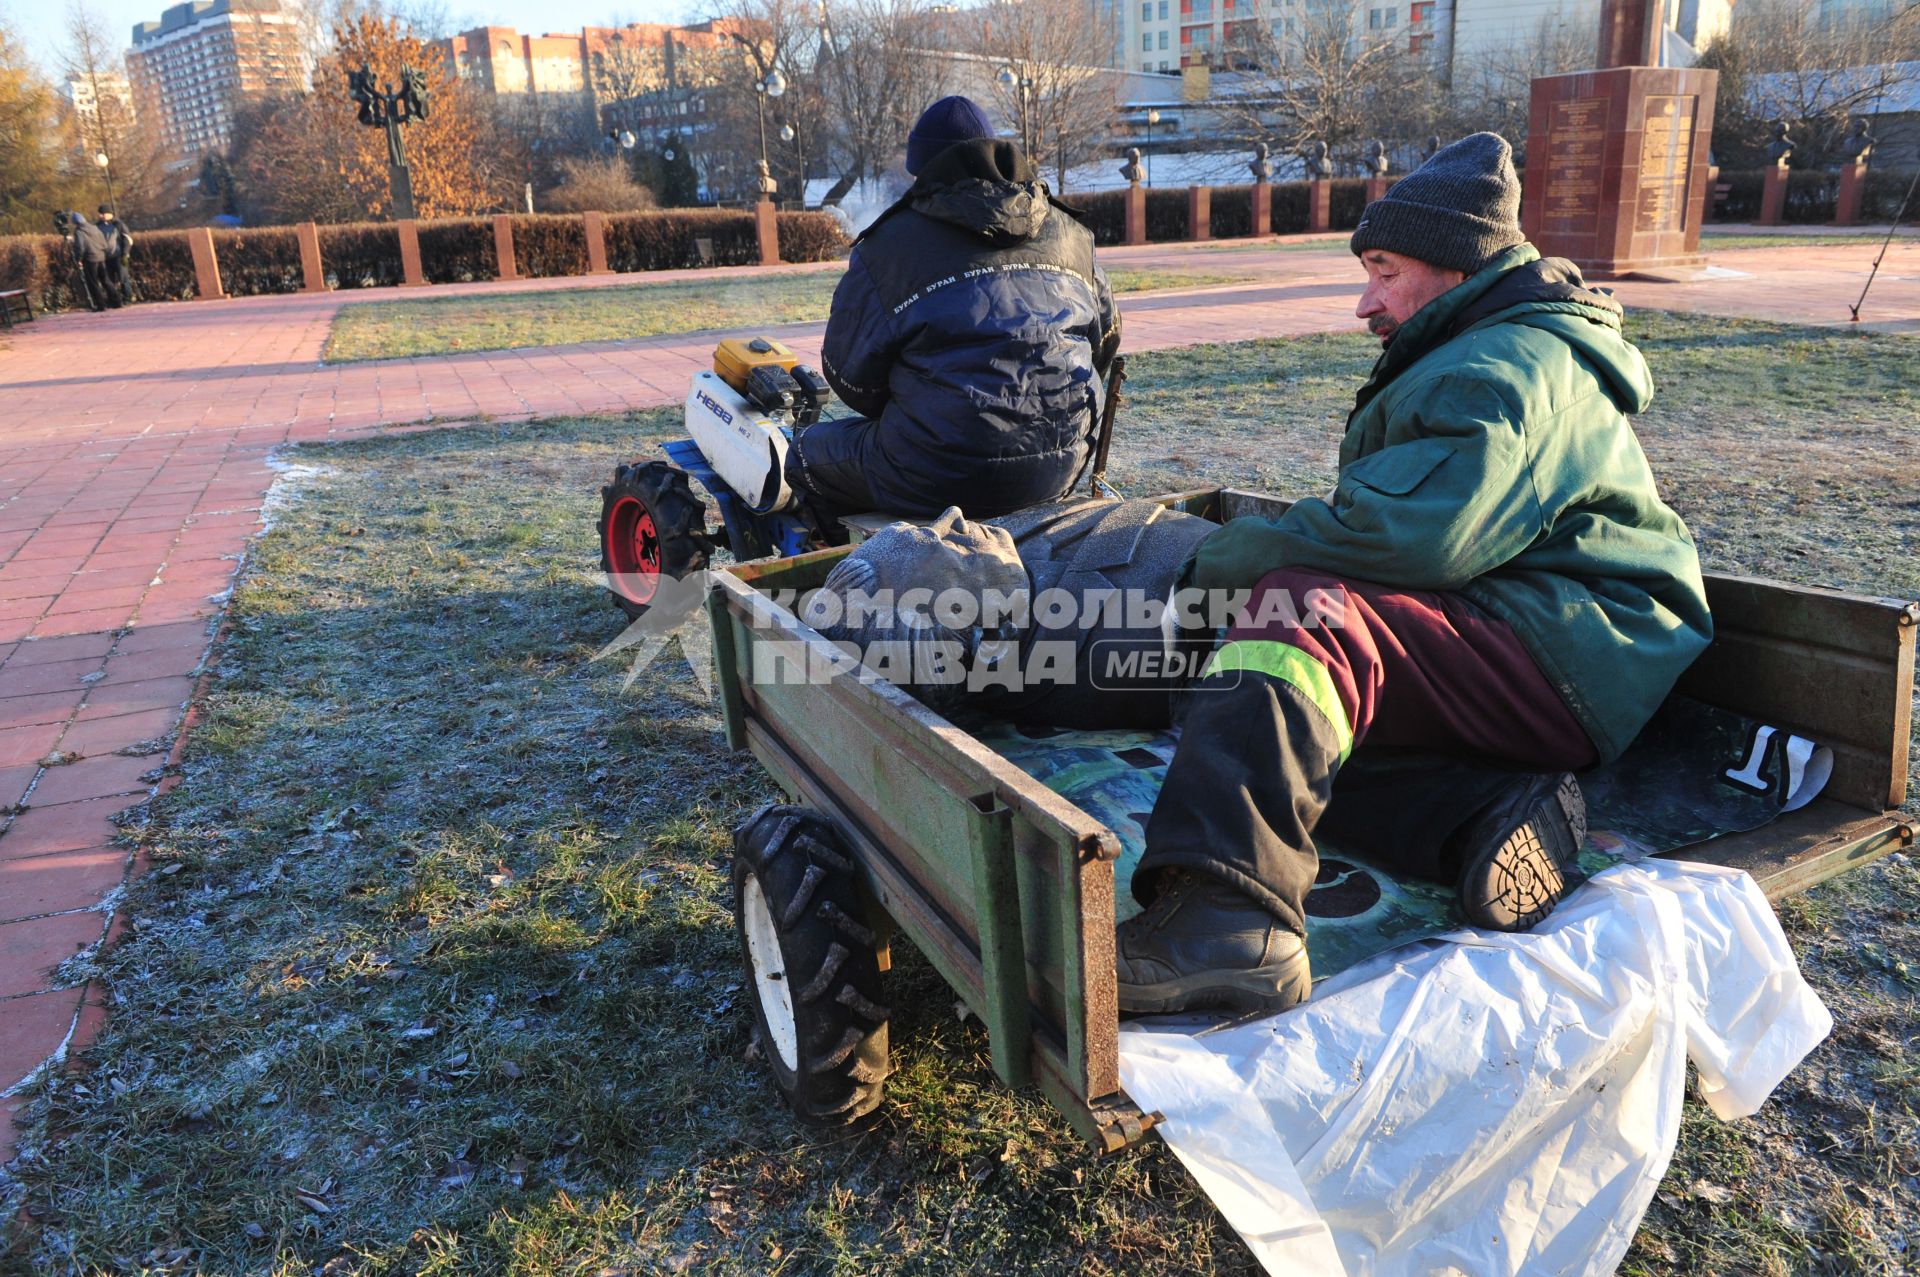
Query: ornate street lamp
{"points": [[1020, 83], [771, 86], [106, 167]]}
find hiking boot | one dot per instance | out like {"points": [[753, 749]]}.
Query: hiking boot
{"points": [[1517, 855], [1203, 945]]}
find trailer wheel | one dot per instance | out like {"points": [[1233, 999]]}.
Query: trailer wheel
{"points": [[651, 525], [811, 964]]}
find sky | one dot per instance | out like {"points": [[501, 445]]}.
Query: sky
{"points": [[42, 23]]}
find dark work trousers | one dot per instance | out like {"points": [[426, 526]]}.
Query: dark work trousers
{"points": [[1438, 701], [118, 283], [826, 466], [100, 294]]}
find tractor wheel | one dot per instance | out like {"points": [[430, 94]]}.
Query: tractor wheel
{"points": [[651, 525], [811, 964]]}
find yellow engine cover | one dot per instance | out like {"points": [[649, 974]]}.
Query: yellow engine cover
{"points": [[736, 357]]}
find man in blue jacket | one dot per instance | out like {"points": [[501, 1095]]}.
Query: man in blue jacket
{"points": [[971, 331]]}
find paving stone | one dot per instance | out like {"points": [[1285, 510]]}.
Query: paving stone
{"points": [[31, 1029], [110, 699], [97, 736], [100, 777], [53, 884], [48, 651], [26, 746], [46, 831], [30, 950]]}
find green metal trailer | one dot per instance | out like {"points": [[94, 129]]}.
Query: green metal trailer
{"points": [[1008, 888]]}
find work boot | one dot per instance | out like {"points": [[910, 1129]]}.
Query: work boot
{"points": [[1203, 945], [1517, 856]]}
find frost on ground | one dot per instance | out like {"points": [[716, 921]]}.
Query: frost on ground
{"points": [[436, 972]]}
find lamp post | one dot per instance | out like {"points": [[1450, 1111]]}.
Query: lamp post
{"points": [[772, 85], [1153, 118], [106, 167], [1022, 85]]}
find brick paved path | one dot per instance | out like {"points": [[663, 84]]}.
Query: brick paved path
{"points": [[135, 451]]}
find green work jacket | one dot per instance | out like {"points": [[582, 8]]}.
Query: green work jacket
{"points": [[1489, 453]]}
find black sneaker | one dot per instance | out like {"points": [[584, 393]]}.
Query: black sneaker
{"points": [[1203, 945], [1517, 856]]}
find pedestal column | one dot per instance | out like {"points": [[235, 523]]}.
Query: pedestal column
{"points": [[1319, 204], [766, 225], [1853, 186], [503, 247], [1616, 174], [1199, 212], [313, 278], [1773, 196], [1136, 208], [206, 266]]}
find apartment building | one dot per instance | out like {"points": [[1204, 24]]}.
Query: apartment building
{"points": [[88, 93], [601, 62], [1169, 35], [192, 67]]}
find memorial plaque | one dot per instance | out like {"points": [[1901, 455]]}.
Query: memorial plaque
{"points": [[1576, 141], [1615, 180], [1666, 159]]}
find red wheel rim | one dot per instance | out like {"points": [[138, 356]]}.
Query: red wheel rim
{"points": [[633, 550]]}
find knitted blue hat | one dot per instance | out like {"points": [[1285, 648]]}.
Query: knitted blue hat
{"points": [[950, 120]]}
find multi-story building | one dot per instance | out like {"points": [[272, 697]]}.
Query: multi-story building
{"points": [[87, 93], [1169, 35], [597, 64], [192, 68]]}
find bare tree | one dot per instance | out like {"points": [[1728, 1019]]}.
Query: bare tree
{"points": [[1330, 77], [138, 175], [876, 77], [1062, 95], [1493, 91], [1793, 61]]}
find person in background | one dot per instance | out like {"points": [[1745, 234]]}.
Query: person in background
{"points": [[119, 255], [970, 331], [90, 254]]}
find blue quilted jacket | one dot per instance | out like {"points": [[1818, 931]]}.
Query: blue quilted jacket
{"points": [[973, 326]]}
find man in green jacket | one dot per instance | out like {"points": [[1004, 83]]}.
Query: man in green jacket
{"points": [[1493, 597]]}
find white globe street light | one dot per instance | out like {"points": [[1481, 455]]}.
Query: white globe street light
{"points": [[627, 139], [1014, 81], [1153, 118], [786, 132], [106, 167]]}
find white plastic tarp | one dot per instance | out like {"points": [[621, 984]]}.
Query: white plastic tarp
{"points": [[1486, 1103]]}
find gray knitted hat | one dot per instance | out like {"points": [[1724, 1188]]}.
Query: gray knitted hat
{"points": [[1458, 210]]}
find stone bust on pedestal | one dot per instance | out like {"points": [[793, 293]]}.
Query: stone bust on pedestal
{"points": [[1858, 143], [1131, 170], [1780, 150]]}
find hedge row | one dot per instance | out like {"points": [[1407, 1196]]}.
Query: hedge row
{"points": [[265, 260], [1813, 197]]}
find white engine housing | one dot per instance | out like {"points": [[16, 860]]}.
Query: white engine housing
{"points": [[745, 446]]}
